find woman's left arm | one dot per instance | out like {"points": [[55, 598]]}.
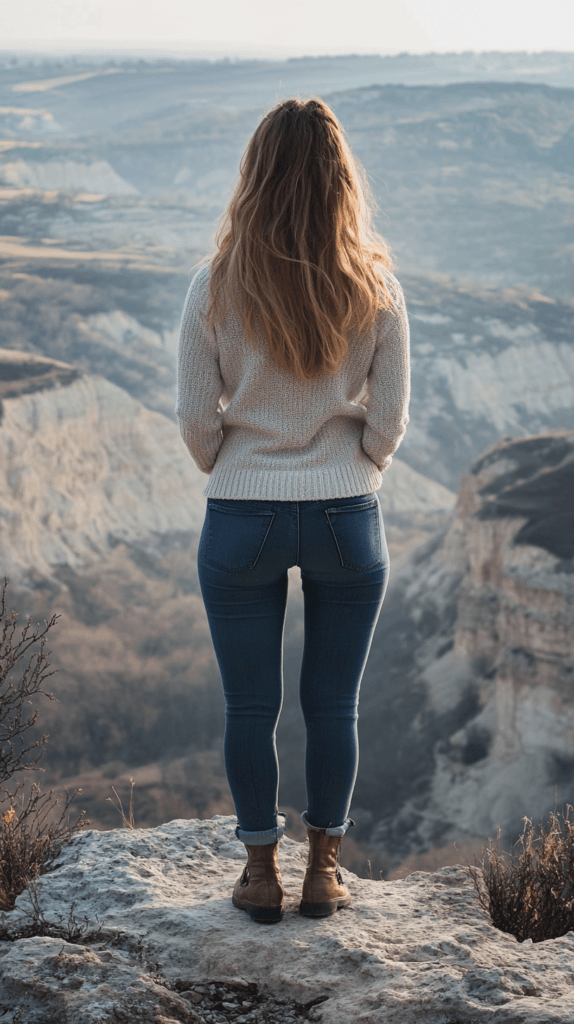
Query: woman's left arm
{"points": [[199, 383]]}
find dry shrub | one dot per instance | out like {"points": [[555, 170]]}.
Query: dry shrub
{"points": [[530, 893], [32, 832], [24, 653], [35, 825]]}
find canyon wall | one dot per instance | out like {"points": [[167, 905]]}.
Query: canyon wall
{"points": [[491, 611], [83, 467]]}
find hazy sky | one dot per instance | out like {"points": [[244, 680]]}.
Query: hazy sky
{"points": [[292, 26]]}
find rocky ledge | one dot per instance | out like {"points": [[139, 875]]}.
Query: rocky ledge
{"points": [[138, 926]]}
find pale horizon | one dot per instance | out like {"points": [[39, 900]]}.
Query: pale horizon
{"points": [[313, 28], [216, 50]]}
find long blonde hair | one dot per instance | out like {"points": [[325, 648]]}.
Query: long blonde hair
{"points": [[296, 254]]}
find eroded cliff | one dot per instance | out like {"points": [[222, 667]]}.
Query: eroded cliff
{"points": [[491, 610]]}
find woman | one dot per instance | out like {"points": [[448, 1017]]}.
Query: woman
{"points": [[293, 387]]}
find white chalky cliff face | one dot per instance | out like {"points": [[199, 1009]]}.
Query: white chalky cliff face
{"points": [[416, 950], [83, 466]]}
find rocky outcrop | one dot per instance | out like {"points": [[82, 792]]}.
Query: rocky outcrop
{"points": [[491, 609], [138, 926], [515, 628]]}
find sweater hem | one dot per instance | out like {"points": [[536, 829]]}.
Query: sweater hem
{"points": [[334, 481]]}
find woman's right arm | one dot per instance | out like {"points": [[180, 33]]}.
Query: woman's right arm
{"points": [[388, 383]]}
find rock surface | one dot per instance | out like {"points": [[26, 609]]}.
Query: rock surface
{"points": [[154, 920]]}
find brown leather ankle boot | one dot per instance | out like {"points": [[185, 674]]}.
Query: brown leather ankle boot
{"points": [[323, 889], [259, 890]]}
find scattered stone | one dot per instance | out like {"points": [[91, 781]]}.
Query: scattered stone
{"points": [[194, 997]]}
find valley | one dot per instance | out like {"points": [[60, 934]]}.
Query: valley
{"points": [[111, 186]]}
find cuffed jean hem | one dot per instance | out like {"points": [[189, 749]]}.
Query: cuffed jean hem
{"points": [[337, 830], [266, 838]]}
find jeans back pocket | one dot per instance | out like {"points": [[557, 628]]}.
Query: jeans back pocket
{"points": [[236, 537], [357, 534]]}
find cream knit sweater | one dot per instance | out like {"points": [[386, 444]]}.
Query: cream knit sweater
{"points": [[261, 433]]}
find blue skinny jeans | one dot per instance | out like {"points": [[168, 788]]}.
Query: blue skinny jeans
{"points": [[244, 552]]}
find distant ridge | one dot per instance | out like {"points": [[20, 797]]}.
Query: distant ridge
{"points": [[551, 67]]}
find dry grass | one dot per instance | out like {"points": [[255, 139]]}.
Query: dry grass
{"points": [[128, 820], [530, 891]]}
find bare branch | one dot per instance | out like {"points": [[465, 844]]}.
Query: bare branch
{"points": [[24, 669]]}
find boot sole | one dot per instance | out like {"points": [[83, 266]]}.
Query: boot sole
{"points": [[324, 909], [263, 915]]}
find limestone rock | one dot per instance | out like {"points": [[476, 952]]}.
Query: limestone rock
{"points": [[153, 918]]}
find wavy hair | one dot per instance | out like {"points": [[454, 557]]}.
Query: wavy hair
{"points": [[296, 253]]}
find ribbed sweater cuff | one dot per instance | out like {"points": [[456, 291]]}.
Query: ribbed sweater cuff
{"points": [[334, 481], [203, 449]]}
